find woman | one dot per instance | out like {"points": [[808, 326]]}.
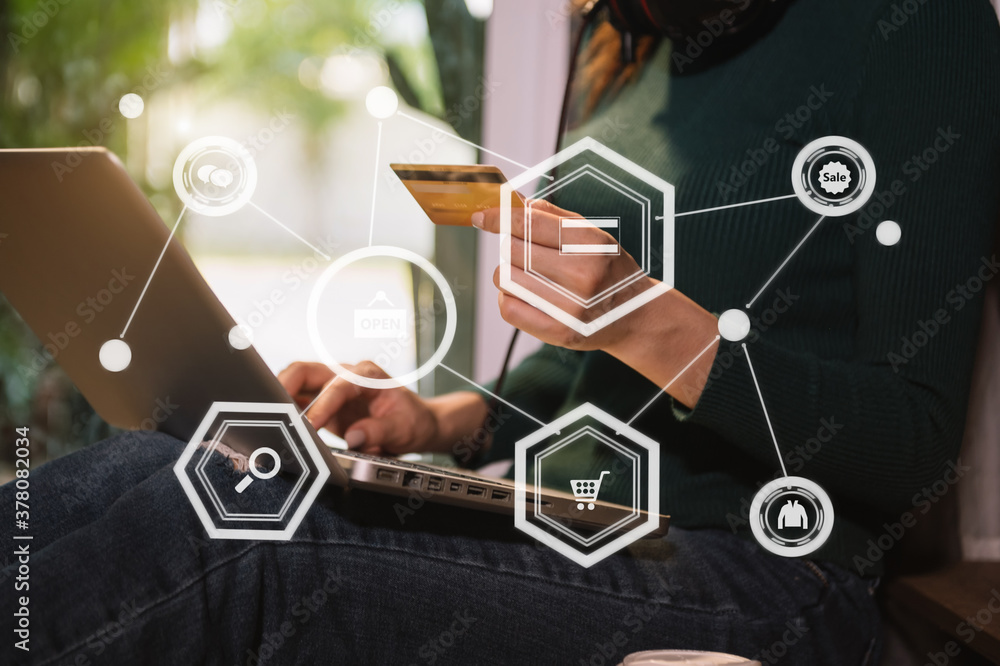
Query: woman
{"points": [[832, 345]]}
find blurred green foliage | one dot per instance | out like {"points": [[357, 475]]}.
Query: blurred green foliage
{"points": [[65, 64]]}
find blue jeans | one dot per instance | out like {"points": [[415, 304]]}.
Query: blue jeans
{"points": [[122, 572]]}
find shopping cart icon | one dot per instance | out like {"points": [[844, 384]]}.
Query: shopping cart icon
{"points": [[586, 490]]}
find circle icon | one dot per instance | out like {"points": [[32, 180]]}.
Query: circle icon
{"points": [[791, 516], [381, 102], [215, 176], [734, 325], [379, 251], [115, 355], [888, 233], [833, 176], [255, 472], [240, 337], [131, 105]]}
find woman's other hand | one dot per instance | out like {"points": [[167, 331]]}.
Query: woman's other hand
{"points": [[381, 421]]}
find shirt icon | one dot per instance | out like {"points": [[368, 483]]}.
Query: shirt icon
{"points": [[793, 514]]}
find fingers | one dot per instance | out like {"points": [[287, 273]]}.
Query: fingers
{"points": [[303, 381], [544, 222], [375, 435], [340, 391], [331, 399], [536, 323]]}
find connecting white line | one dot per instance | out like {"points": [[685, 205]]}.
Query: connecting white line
{"points": [[787, 259], [678, 376], [321, 392], [155, 266], [276, 221], [767, 418], [467, 142], [481, 388], [378, 149], [736, 205]]}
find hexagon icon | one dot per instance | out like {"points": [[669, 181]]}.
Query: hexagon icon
{"points": [[252, 506], [630, 458], [632, 204]]}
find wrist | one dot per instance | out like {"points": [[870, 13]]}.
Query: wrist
{"points": [[457, 415], [667, 341], [649, 328]]}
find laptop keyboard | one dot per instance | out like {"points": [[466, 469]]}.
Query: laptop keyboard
{"points": [[404, 464]]}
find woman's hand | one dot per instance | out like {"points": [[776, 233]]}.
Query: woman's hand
{"points": [[381, 421], [585, 275], [660, 339]]}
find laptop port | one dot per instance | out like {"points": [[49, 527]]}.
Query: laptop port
{"points": [[386, 475], [455, 487], [501, 495], [412, 479], [435, 483], [477, 491]]}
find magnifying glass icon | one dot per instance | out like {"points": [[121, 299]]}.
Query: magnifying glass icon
{"points": [[254, 472]]}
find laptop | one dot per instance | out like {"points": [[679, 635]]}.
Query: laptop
{"points": [[78, 242]]}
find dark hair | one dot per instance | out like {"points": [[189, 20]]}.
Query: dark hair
{"points": [[600, 71]]}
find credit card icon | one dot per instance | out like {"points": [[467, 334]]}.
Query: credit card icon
{"points": [[571, 240]]}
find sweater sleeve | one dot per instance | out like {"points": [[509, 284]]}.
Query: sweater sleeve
{"points": [[538, 385], [926, 108]]}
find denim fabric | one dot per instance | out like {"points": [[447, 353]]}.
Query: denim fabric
{"points": [[122, 572]]}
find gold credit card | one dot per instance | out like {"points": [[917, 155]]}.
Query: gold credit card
{"points": [[450, 194]]}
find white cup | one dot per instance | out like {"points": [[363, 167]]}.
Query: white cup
{"points": [[689, 657]]}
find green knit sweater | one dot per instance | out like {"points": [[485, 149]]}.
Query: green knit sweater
{"points": [[863, 352]]}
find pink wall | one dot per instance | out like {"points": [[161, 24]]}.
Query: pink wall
{"points": [[527, 47]]}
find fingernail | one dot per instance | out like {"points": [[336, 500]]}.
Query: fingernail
{"points": [[355, 438], [477, 219]]}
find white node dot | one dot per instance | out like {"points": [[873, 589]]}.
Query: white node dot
{"points": [[480, 9], [131, 105], [888, 233], [240, 337], [381, 102], [115, 355], [734, 325]]}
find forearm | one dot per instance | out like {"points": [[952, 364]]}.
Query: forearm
{"points": [[672, 342], [459, 415]]}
